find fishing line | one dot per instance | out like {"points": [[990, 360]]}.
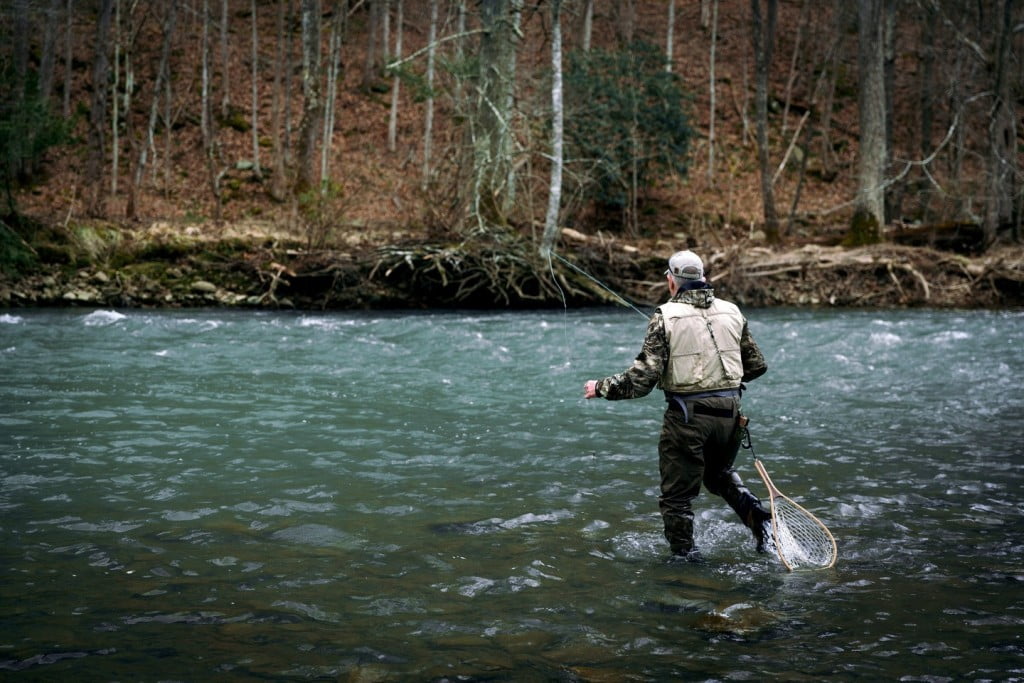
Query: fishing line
{"points": [[565, 305], [592, 279]]}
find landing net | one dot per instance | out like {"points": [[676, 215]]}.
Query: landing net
{"points": [[801, 540]]}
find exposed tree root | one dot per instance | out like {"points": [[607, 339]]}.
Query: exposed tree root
{"points": [[507, 272]]}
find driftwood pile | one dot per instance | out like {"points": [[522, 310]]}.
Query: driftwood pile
{"points": [[509, 272], [884, 275]]}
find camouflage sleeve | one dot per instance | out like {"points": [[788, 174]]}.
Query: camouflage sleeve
{"points": [[645, 372], [753, 361]]}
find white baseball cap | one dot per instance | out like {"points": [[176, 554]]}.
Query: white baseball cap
{"points": [[685, 265]]}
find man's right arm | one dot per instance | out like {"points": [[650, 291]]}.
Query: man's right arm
{"points": [[644, 374], [753, 360]]}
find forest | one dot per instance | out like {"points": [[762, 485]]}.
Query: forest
{"points": [[325, 154]]}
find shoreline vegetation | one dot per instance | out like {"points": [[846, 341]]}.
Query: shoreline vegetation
{"points": [[258, 267], [413, 155]]}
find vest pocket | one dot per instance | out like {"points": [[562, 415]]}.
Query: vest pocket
{"points": [[689, 368]]}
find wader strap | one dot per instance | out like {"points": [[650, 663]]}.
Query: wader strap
{"points": [[681, 399]]}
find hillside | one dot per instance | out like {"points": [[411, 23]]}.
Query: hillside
{"points": [[385, 240]]}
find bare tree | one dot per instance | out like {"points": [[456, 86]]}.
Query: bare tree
{"points": [[279, 101], [49, 56], [712, 88], [330, 101], [793, 62], [428, 115], [162, 77], [225, 57], [831, 66], [869, 206], [289, 61], [670, 35], [68, 35], [588, 24], [20, 47], [115, 145], [557, 137], [493, 117], [926, 96], [312, 104], [98, 111], [207, 123], [893, 195], [763, 32], [371, 65], [396, 82], [1003, 159], [257, 171], [624, 17]]}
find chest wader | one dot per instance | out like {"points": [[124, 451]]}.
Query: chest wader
{"points": [[747, 506], [699, 441], [702, 445]]}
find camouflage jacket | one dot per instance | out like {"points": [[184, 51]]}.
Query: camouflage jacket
{"points": [[649, 365]]}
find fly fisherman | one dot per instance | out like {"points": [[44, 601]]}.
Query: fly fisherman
{"points": [[699, 351]]}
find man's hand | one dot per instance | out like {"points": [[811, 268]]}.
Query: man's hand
{"points": [[590, 389]]}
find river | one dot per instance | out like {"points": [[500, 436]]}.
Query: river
{"points": [[187, 495]]}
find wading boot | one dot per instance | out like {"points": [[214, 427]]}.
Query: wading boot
{"points": [[749, 509], [679, 533], [760, 522]]}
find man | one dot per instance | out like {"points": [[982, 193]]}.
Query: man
{"points": [[699, 351]]}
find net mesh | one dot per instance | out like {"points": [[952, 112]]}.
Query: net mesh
{"points": [[800, 539]]}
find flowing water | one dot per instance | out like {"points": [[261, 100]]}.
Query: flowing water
{"points": [[427, 496]]}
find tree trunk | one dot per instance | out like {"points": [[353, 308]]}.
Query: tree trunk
{"points": [[460, 54], [894, 191], [371, 65], [225, 76], [841, 18], [669, 35], [115, 144], [869, 207], [793, 62], [926, 101], [49, 56], [95, 201], [396, 82], [428, 115], [20, 49], [712, 89], [330, 101], [312, 106], [1002, 166], [257, 171], [278, 178], [588, 24], [624, 18], [162, 76], [68, 35], [209, 144], [289, 60], [823, 86], [557, 119], [763, 30], [492, 128]]}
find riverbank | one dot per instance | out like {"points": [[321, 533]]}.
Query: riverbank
{"points": [[258, 268]]}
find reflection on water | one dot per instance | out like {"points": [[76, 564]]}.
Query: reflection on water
{"points": [[427, 496]]}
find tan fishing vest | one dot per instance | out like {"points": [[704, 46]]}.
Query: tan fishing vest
{"points": [[704, 347]]}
